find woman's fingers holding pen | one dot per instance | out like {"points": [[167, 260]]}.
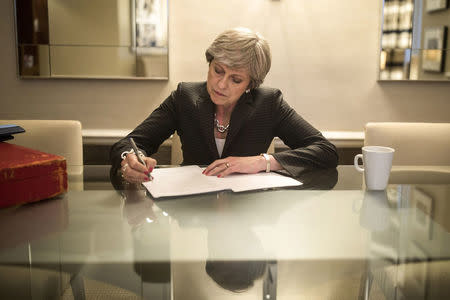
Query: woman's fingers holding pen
{"points": [[134, 171], [135, 164], [151, 163]]}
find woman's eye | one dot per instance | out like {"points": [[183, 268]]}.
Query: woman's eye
{"points": [[237, 81], [218, 71]]}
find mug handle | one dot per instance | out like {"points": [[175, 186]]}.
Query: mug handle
{"points": [[355, 162]]}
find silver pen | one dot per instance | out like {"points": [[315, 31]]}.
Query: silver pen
{"points": [[136, 151]]}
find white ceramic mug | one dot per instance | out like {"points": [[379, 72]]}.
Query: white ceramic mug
{"points": [[377, 161]]}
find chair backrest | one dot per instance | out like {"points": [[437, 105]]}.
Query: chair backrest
{"points": [[60, 137], [414, 143], [177, 154], [176, 157]]}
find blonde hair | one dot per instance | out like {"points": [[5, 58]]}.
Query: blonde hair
{"points": [[242, 48]]}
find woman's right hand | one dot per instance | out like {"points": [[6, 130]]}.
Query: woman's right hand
{"points": [[135, 172]]}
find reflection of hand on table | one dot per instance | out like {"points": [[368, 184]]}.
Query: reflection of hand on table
{"points": [[138, 207]]}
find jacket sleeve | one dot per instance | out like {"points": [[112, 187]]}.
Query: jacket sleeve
{"points": [[151, 133], [308, 147]]}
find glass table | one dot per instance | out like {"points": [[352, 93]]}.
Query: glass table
{"points": [[328, 239]]}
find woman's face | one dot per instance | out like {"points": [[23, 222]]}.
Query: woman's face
{"points": [[225, 86]]}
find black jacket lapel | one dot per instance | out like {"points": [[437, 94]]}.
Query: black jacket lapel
{"points": [[239, 117], [206, 120]]}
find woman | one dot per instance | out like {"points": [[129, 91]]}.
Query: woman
{"points": [[228, 122]]}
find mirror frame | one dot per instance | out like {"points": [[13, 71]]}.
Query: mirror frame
{"points": [[39, 44], [414, 40]]}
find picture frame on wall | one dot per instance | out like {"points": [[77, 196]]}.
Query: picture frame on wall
{"points": [[434, 5], [145, 23], [434, 43]]}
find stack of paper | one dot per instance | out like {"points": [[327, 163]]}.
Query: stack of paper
{"points": [[179, 181]]}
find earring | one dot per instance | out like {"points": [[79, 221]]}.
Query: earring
{"points": [[247, 91]]}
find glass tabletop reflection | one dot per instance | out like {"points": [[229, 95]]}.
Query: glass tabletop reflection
{"points": [[328, 239]]}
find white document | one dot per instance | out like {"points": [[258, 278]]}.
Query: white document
{"points": [[188, 180]]}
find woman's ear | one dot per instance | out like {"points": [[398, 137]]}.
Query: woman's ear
{"points": [[249, 87]]}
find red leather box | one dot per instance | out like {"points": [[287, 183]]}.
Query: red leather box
{"points": [[28, 175]]}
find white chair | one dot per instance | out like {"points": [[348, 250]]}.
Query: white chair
{"points": [[177, 154], [419, 144], [60, 137], [422, 155]]}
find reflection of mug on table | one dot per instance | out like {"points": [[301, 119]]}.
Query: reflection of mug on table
{"points": [[374, 212], [377, 162]]}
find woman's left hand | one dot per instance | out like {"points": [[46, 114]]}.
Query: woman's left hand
{"points": [[234, 164]]}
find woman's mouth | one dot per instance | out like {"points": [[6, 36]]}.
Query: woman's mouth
{"points": [[219, 94]]}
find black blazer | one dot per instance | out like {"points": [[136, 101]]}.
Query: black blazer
{"points": [[257, 118]]}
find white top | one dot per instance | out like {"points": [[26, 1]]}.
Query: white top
{"points": [[220, 143]]}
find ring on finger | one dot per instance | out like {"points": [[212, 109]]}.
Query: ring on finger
{"points": [[227, 165]]}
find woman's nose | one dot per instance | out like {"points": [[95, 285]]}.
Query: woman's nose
{"points": [[222, 83]]}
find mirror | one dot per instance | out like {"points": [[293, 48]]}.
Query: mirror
{"points": [[414, 38], [113, 39]]}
